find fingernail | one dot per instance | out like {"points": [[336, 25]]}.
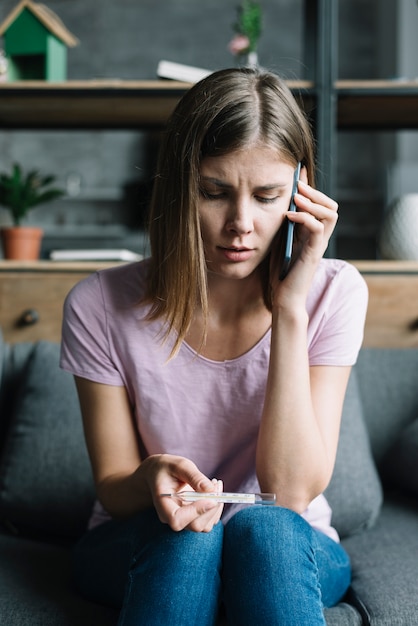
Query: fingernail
{"points": [[205, 485]]}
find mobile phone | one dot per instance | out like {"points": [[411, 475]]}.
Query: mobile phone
{"points": [[289, 227]]}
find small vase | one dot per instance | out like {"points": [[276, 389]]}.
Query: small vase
{"points": [[21, 243], [252, 59]]}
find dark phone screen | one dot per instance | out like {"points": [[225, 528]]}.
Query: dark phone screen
{"points": [[289, 229]]}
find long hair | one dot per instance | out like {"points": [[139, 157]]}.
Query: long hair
{"points": [[224, 112]]}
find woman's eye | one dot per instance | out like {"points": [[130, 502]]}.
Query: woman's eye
{"points": [[267, 200], [211, 196]]}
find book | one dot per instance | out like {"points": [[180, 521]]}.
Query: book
{"points": [[95, 255], [181, 72]]}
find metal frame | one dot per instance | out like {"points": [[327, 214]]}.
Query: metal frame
{"points": [[321, 62]]}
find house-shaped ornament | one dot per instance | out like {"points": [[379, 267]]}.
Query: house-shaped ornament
{"points": [[35, 43]]}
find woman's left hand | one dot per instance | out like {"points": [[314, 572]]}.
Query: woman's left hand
{"points": [[315, 221]]}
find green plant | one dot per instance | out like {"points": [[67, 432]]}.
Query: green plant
{"points": [[21, 192], [248, 27]]}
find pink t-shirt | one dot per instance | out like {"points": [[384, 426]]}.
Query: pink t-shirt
{"points": [[208, 411]]}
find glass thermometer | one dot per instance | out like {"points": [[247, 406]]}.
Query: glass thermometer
{"points": [[228, 498]]}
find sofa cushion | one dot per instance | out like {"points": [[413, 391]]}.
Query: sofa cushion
{"points": [[2, 412], [355, 492], [36, 587], [400, 465], [385, 565], [45, 477], [387, 380], [13, 360]]}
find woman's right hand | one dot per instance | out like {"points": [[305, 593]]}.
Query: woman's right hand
{"points": [[166, 473]]}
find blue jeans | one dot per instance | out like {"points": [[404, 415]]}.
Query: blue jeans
{"points": [[267, 566]]}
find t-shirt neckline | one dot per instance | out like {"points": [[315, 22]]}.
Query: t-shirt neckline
{"points": [[246, 355]]}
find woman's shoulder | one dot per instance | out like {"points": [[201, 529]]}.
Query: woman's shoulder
{"points": [[337, 284], [340, 275], [337, 307], [125, 273], [124, 283]]}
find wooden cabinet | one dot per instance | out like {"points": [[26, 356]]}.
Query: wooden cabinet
{"points": [[392, 316], [32, 295]]}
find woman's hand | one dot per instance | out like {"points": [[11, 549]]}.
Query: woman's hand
{"points": [[315, 220], [169, 474]]}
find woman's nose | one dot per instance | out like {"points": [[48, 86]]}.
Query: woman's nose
{"points": [[240, 217]]}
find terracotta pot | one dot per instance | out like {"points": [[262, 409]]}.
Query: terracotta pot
{"points": [[21, 242]]}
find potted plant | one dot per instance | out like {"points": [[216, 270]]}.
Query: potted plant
{"points": [[19, 193], [248, 28]]}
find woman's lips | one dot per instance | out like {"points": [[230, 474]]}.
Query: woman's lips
{"points": [[237, 254]]}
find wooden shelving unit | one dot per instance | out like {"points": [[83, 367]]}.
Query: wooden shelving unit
{"points": [[97, 104], [111, 104], [333, 105]]}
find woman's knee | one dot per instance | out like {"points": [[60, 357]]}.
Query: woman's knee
{"points": [[269, 569], [180, 551], [190, 546], [263, 527], [182, 567]]}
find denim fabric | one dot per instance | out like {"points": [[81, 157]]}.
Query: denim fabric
{"points": [[278, 570], [267, 565]]}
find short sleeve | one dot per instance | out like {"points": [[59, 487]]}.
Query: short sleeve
{"points": [[338, 315], [85, 346]]}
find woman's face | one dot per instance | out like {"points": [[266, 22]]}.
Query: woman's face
{"points": [[244, 196]]}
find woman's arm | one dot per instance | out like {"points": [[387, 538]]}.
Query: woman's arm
{"points": [[299, 430], [126, 485], [300, 423]]}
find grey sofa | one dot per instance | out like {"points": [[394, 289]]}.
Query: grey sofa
{"points": [[46, 491]]}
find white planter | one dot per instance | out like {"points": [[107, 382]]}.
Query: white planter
{"points": [[252, 59], [398, 239]]}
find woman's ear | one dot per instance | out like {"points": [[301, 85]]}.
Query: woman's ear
{"points": [[304, 175]]}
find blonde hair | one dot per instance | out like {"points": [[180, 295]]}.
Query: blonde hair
{"points": [[220, 114]]}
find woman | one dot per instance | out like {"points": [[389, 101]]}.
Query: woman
{"points": [[200, 370]]}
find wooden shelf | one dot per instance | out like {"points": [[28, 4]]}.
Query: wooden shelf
{"points": [[55, 266], [116, 104], [387, 267], [87, 104], [377, 104], [110, 104]]}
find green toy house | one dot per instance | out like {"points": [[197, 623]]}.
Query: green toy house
{"points": [[35, 43]]}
